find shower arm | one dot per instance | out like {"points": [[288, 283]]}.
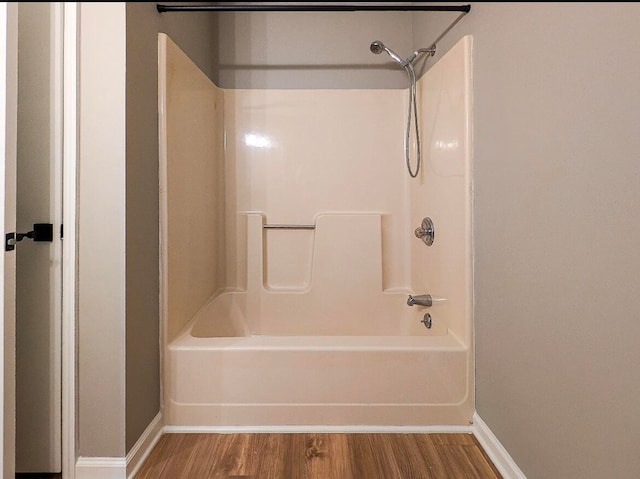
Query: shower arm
{"points": [[431, 51]]}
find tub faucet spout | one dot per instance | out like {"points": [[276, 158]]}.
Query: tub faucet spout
{"points": [[420, 300]]}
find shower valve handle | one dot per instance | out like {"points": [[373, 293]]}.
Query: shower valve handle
{"points": [[426, 231]]}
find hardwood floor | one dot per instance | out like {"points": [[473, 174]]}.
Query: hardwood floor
{"points": [[318, 456]]}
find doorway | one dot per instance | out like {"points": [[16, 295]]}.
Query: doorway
{"points": [[39, 264]]}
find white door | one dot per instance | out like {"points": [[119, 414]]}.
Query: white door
{"points": [[8, 115], [38, 264]]}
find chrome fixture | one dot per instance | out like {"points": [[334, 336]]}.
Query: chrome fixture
{"points": [[421, 300], [288, 227], [427, 321], [426, 231], [378, 47]]}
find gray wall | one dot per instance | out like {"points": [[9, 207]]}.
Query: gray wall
{"points": [[557, 191], [195, 33], [310, 50]]}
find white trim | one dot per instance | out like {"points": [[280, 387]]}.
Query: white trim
{"points": [[56, 19], [317, 429], [101, 468], [69, 244], [121, 467], [163, 213], [8, 144], [143, 447], [495, 450]]}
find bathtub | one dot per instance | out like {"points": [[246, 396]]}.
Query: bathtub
{"points": [[308, 325], [220, 375]]}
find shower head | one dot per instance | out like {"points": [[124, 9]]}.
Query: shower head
{"points": [[378, 47]]}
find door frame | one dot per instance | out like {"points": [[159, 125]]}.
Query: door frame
{"points": [[65, 54], [67, 14], [8, 146]]}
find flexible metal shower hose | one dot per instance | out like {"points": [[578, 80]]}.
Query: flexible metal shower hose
{"points": [[413, 108]]}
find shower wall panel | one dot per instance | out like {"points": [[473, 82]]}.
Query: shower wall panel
{"points": [[312, 325], [296, 154], [192, 181], [442, 190]]}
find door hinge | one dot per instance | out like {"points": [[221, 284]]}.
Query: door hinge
{"points": [[42, 232]]}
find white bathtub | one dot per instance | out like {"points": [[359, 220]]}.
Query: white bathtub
{"points": [[219, 376], [321, 334]]}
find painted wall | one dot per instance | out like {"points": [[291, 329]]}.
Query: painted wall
{"points": [[309, 50], [119, 385], [557, 185], [102, 245], [195, 33]]}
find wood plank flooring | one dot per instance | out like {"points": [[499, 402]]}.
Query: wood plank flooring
{"points": [[318, 456]]}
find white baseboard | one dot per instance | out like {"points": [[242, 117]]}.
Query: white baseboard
{"points": [[121, 467], [495, 450], [317, 429], [143, 447], [101, 468]]}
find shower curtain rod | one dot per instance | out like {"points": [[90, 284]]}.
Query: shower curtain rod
{"points": [[312, 8]]}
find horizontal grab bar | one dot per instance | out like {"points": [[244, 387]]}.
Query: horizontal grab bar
{"points": [[289, 227]]}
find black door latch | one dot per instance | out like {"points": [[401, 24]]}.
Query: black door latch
{"points": [[41, 232]]}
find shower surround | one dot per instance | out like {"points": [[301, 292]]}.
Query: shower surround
{"points": [[307, 324]]}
